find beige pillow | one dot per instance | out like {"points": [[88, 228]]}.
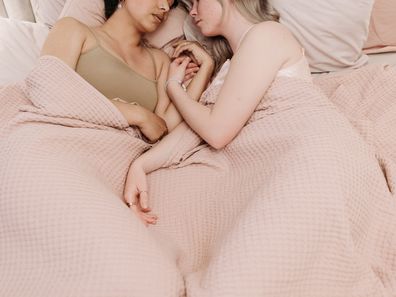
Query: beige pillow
{"points": [[382, 30], [333, 32], [91, 13], [47, 11]]}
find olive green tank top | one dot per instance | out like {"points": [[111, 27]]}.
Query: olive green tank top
{"points": [[116, 79]]}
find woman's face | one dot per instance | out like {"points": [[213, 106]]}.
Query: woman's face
{"points": [[207, 15], [148, 14]]}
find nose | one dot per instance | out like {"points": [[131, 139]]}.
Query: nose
{"points": [[164, 5], [193, 11]]}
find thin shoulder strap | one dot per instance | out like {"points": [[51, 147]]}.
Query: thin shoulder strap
{"points": [[94, 34], [153, 60]]}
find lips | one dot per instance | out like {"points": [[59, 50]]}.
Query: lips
{"points": [[158, 17]]}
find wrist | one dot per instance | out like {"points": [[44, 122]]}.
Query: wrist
{"points": [[139, 164], [174, 81]]}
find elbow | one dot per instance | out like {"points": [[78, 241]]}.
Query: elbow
{"points": [[218, 141]]}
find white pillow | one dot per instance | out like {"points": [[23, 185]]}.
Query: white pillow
{"points": [[20, 46], [47, 11], [333, 32]]}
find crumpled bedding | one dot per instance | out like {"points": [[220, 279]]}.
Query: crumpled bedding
{"points": [[301, 202]]}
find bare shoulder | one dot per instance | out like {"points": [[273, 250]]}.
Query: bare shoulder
{"points": [[69, 24], [65, 40], [272, 36], [271, 30], [70, 29]]}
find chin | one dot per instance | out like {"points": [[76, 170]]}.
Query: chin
{"points": [[206, 32], [151, 28]]}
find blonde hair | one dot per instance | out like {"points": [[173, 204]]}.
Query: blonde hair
{"points": [[256, 11]]}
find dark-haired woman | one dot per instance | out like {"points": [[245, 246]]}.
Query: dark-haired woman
{"points": [[115, 60]]}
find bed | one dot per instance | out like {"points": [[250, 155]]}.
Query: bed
{"points": [[316, 244]]}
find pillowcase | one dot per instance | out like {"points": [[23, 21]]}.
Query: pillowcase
{"points": [[47, 11], [333, 33], [91, 13], [20, 45], [382, 33]]}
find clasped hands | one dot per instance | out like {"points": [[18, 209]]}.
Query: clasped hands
{"points": [[188, 57]]}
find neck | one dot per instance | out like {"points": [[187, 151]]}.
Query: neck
{"points": [[235, 30], [122, 29]]}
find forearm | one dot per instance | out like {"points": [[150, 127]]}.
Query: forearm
{"points": [[172, 117], [195, 89], [160, 154], [197, 116], [131, 113], [200, 81]]}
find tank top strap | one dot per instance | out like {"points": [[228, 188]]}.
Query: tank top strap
{"points": [[153, 60], [98, 43]]}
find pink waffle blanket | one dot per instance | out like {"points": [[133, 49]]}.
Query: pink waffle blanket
{"points": [[301, 203]]}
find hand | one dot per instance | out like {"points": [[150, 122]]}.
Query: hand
{"points": [[191, 71], [136, 195], [152, 126], [194, 50], [178, 68]]}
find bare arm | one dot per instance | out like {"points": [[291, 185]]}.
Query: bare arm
{"points": [[160, 154], [65, 41], [136, 190], [248, 79], [165, 108]]}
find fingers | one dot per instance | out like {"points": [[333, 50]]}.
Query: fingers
{"points": [[146, 218], [185, 62], [130, 195], [185, 48], [144, 200], [192, 65], [191, 70], [179, 42], [179, 60], [187, 78], [142, 212]]}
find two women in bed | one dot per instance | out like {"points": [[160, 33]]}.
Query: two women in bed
{"points": [[261, 50], [115, 59]]}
